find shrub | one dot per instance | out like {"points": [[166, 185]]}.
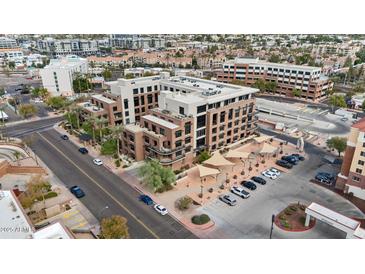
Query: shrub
{"points": [[227, 181], [235, 176], [184, 203], [210, 190], [117, 163], [200, 219], [288, 212], [282, 217], [242, 172], [302, 220], [293, 208], [49, 195]]}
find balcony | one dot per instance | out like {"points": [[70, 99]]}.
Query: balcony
{"points": [[165, 151], [168, 161]]}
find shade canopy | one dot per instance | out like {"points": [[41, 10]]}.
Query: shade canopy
{"points": [[207, 171], [237, 154], [262, 138], [218, 160], [267, 149]]}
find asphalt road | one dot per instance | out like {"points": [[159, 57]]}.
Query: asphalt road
{"points": [[27, 128], [104, 188]]}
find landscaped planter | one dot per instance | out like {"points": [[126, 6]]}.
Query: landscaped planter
{"points": [[292, 218]]}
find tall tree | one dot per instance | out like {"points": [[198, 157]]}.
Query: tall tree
{"points": [[338, 143], [116, 132], [114, 227]]}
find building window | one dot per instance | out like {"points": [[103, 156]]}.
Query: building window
{"points": [[178, 143], [115, 108], [362, 153], [149, 88], [187, 140], [358, 170], [201, 109], [361, 163], [200, 121], [135, 91], [141, 90], [125, 103], [162, 131], [187, 128], [181, 110], [149, 99], [178, 133], [356, 179], [156, 88], [136, 101], [127, 113]]}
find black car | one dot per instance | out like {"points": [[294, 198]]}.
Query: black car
{"points": [[298, 156], [284, 163], [259, 180], [83, 150], [64, 137], [77, 191], [290, 159], [248, 184]]}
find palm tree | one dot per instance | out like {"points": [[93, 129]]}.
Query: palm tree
{"points": [[17, 155], [77, 111], [92, 121], [116, 132], [100, 123]]}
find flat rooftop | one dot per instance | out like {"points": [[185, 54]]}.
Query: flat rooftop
{"points": [[160, 121], [13, 223], [256, 61], [53, 231], [200, 90], [334, 216], [133, 128], [103, 98]]}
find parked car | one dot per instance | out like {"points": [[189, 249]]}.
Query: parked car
{"points": [[83, 150], [284, 163], [323, 179], [259, 180], [344, 119], [275, 171], [248, 184], [329, 176], [64, 137], [146, 199], [228, 199], [290, 159], [240, 192], [98, 162], [160, 209], [269, 174], [77, 191], [298, 156]]}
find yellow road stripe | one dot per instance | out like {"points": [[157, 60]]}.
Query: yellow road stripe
{"points": [[103, 189]]}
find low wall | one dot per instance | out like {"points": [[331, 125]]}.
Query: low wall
{"points": [[7, 168]]}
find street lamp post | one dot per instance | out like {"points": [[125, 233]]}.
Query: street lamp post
{"points": [[272, 225], [101, 211]]}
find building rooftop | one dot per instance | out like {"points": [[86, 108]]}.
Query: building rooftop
{"points": [[103, 98], [66, 62], [160, 121], [133, 128], [13, 221], [334, 216], [256, 61], [53, 231], [199, 90], [360, 124]]}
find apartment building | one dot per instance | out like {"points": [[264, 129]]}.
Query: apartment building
{"points": [[222, 113], [106, 106], [12, 54], [133, 41], [309, 80], [351, 178], [161, 135], [58, 76], [137, 95], [7, 43], [56, 48]]}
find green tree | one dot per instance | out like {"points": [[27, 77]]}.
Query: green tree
{"points": [[338, 143], [40, 92], [297, 92], [2, 91], [348, 62], [260, 84], [114, 227], [116, 132], [203, 156], [11, 65], [274, 58], [359, 88], [337, 101], [56, 102], [81, 83], [129, 76], [27, 110], [156, 176], [107, 74], [36, 189], [271, 86], [109, 147]]}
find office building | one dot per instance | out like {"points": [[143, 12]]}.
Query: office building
{"points": [[308, 80], [351, 178], [58, 76]]}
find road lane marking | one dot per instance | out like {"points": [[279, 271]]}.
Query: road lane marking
{"points": [[102, 188]]}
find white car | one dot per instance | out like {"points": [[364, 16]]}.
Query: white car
{"points": [[38, 100], [240, 192], [274, 170], [98, 162], [161, 209], [269, 174]]}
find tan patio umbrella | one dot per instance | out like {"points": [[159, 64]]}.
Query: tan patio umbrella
{"points": [[237, 154], [218, 160], [207, 171], [267, 149], [262, 138]]}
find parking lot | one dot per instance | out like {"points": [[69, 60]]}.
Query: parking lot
{"points": [[251, 218]]}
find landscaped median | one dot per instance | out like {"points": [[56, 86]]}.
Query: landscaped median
{"points": [[292, 218]]}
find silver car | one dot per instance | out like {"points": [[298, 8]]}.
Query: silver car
{"points": [[240, 192], [228, 199]]}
